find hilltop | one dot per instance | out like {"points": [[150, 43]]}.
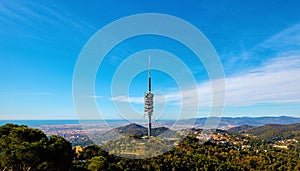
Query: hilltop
{"points": [[136, 129]]}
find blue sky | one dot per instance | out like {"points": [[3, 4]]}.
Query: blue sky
{"points": [[257, 42]]}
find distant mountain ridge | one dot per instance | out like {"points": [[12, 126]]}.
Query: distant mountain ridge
{"points": [[269, 131], [229, 122], [239, 129]]}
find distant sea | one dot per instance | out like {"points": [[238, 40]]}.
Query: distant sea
{"points": [[36, 123]]}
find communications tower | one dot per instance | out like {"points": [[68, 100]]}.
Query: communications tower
{"points": [[149, 100]]}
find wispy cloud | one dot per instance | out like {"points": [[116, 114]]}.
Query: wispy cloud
{"points": [[126, 99], [277, 81], [96, 97], [285, 41], [38, 19], [25, 94]]}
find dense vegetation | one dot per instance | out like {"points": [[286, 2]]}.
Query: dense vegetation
{"points": [[191, 155], [23, 148]]}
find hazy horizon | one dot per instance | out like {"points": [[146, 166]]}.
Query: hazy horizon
{"points": [[108, 119]]}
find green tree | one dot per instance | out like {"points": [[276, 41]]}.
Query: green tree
{"points": [[91, 151], [97, 163], [59, 154], [23, 148], [20, 147]]}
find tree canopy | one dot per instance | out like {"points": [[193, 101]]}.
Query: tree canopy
{"points": [[23, 148]]}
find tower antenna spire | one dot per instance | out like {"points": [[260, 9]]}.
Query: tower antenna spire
{"points": [[149, 74]]}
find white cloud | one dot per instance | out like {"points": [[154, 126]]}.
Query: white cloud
{"points": [[277, 81], [126, 99], [96, 97], [286, 40]]}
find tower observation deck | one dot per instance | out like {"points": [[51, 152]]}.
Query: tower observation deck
{"points": [[149, 100]]}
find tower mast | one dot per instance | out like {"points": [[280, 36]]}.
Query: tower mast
{"points": [[149, 76], [149, 100]]}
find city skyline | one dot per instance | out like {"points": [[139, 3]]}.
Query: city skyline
{"points": [[257, 43]]}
